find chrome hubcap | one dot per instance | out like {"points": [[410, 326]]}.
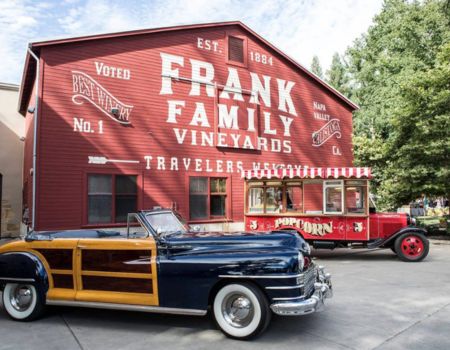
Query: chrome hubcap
{"points": [[237, 310], [21, 297]]}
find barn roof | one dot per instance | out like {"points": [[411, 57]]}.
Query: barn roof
{"points": [[30, 65]]}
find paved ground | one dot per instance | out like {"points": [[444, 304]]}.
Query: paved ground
{"points": [[379, 303]]}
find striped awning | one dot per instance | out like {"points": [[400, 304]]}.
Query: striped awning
{"points": [[309, 173]]}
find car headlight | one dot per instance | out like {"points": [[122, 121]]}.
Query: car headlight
{"points": [[307, 248], [301, 261]]}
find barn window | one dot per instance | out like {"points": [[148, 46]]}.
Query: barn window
{"points": [[236, 50], [207, 198], [111, 198]]}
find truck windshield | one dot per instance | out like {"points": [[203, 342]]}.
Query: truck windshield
{"points": [[166, 223]]}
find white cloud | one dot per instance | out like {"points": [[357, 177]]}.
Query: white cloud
{"points": [[301, 29], [18, 20]]}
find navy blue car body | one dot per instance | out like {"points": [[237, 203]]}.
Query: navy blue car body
{"points": [[203, 260]]}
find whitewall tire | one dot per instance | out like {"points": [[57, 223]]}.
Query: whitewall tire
{"points": [[241, 310], [22, 301]]}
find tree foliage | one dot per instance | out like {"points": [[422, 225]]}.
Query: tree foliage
{"points": [[398, 73], [419, 145], [316, 68], [338, 77]]}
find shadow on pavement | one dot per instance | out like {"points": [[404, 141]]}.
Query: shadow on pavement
{"points": [[355, 254]]}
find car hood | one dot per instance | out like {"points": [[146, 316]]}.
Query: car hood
{"points": [[237, 241]]}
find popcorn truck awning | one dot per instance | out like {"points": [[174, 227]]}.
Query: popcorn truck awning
{"points": [[309, 173]]}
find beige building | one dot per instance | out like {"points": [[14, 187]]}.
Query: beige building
{"points": [[12, 126]]}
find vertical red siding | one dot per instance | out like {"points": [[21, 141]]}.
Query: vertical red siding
{"points": [[64, 153]]}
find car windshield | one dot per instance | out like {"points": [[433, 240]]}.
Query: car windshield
{"points": [[166, 223]]}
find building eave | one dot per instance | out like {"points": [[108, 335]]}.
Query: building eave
{"points": [[30, 67], [26, 87]]}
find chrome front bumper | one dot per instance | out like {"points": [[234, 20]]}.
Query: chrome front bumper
{"points": [[322, 290]]}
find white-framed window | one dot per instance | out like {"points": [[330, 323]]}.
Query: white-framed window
{"points": [[333, 197], [356, 197]]}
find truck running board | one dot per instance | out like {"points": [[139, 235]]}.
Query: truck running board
{"points": [[375, 244], [324, 244]]}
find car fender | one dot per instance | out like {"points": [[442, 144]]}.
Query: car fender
{"points": [[201, 273], [23, 267], [388, 242]]}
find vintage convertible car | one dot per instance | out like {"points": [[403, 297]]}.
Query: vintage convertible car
{"points": [[162, 266]]}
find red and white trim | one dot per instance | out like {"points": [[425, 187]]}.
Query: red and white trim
{"points": [[309, 173]]}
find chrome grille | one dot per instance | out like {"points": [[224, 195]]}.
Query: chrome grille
{"points": [[309, 278]]}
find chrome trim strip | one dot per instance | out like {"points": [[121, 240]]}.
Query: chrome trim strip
{"points": [[250, 276], [17, 279], [127, 307], [293, 298], [285, 287]]}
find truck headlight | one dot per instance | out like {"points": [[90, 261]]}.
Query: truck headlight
{"points": [[301, 262]]}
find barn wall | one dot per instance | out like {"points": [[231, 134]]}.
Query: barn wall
{"points": [[163, 150]]}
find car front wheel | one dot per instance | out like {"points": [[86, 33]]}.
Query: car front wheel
{"points": [[22, 302], [241, 310], [412, 246]]}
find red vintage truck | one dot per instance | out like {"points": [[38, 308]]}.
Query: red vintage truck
{"points": [[329, 208]]}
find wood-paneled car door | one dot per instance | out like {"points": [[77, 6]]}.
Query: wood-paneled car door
{"points": [[58, 258], [117, 270]]}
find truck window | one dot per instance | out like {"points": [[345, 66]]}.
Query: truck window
{"points": [[333, 199], [294, 197], [313, 197], [274, 197], [355, 197], [256, 200]]}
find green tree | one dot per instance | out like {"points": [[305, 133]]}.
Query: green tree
{"points": [[338, 76], [419, 146], [316, 68], [388, 66]]}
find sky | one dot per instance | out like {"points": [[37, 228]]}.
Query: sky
{"points": [[300, 28]]}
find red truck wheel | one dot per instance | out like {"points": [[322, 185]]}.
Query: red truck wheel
{"points": [[412, 246]]}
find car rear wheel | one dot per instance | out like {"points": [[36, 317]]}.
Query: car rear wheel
{"points": [[412, 246], [22, 302], [241, 311]]}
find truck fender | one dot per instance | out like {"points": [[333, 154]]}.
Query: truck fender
{"points": [[390, 241], [23, 267]]}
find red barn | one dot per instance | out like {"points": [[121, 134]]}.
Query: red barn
{"points": [[168, 117]]}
